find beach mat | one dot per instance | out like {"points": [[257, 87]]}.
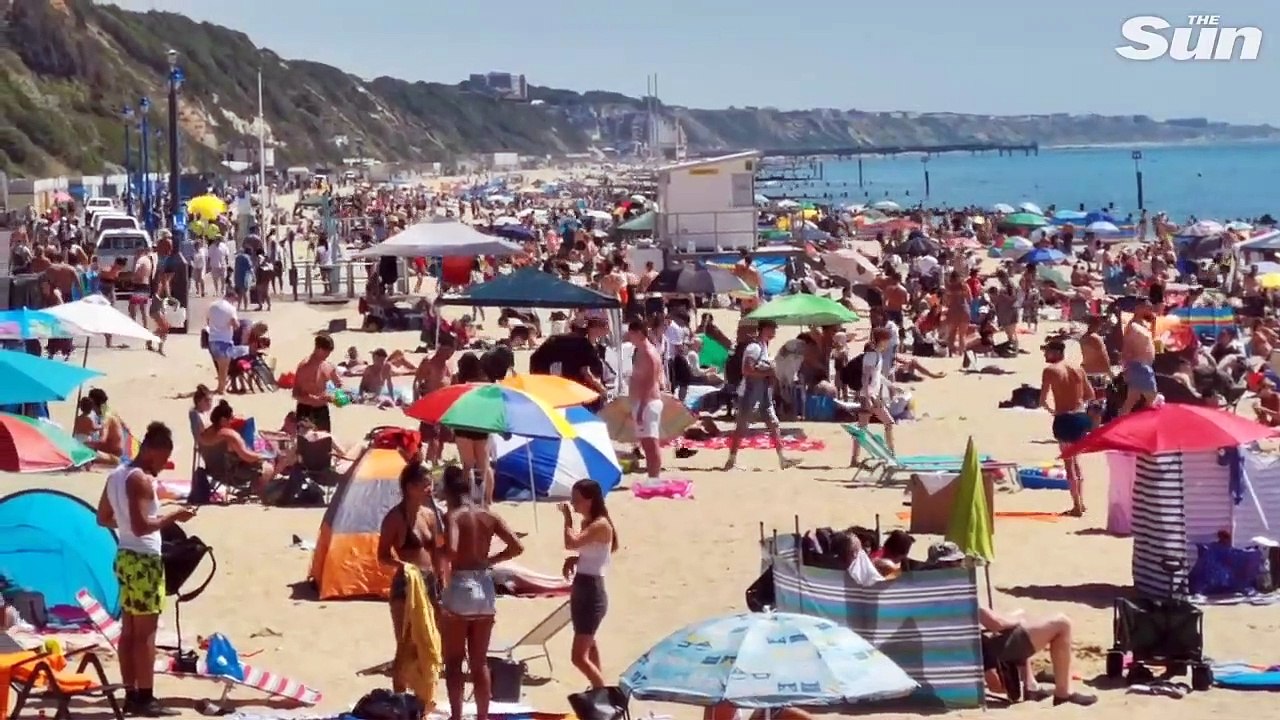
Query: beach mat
{"points": [[1048, 517]]}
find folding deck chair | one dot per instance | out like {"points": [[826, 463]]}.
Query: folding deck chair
{"points": [[33, 676], [537, 637], [892, 464], [254, 678]]}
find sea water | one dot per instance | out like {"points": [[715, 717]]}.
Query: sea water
{"points": [[1222, 181]]}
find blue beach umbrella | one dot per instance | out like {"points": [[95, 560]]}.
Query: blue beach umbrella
{"points": [[32, 379], [24, 324], [556, 464], [1042, 255], [765, 660], [514, 232]]}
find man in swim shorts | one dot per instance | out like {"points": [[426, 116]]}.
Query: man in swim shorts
{"points": [[1137, 356], [1069, 387]]}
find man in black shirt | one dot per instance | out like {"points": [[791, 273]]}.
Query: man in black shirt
{"points": [[576, 355]]}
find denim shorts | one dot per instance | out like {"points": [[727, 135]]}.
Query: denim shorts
{"points": [[1140, 377], [221, 350]]}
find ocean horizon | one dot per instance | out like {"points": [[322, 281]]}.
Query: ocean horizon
{"points": [[1225, 181]]}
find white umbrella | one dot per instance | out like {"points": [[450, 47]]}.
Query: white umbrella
{"points": [[599, 215], [94, 315], [886, 205], [639, 198], [1239, 226], [761, 199], [444, 238], [788, 204], [498, 200], [506, 220], [855, 207], [1005, 208], [1203, 228], [1031, 208], [1102, 227]]}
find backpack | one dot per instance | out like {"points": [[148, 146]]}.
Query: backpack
{"points": [[733, 373], [851, 374]]}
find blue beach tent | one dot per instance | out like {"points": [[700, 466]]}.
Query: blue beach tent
{"points": [[557, 464], [51, 543]]}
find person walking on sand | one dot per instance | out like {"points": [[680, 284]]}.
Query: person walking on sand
{"points": [[876, 386], [1137, 357], [595, 542], [646, 399], [755, 395], [1068, 386], [311, 381], [469, 599], [129, 505]]}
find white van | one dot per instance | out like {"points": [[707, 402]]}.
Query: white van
{"points": [[121, 243], [104, 221]]}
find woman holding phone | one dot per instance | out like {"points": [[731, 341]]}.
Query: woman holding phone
{"points": [[595, 541]]}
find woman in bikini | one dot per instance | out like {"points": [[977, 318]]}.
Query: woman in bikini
{"points": [[468, 600], [412, 532], [958, 300]]}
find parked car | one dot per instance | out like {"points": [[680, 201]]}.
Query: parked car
{"points": [[123, 244]]}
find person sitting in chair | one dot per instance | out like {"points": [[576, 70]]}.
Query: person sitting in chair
{"points": [[224, 449]]}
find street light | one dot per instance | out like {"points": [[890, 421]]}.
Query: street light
{"points": [[175, 81], [1137, 174], [144, 109], [126, 114], [924, 162]]}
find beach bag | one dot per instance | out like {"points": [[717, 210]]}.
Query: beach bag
{"points": [[383, 704], [222, 659], [181, 555], [174, 314], [31, 607], [761, 594], [604, 703]]}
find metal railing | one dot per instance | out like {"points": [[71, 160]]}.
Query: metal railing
{"points": [[342, 280]]}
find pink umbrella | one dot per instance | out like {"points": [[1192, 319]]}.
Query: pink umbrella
{"points": [[61, 197]]}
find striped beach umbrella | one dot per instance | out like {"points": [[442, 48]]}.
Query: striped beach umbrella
{"points": [[552, 466], [484, 407], [31, 445]]}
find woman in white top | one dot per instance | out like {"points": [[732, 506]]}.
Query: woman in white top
{"points": [[129, 505], [874, 393], [595, 541]]}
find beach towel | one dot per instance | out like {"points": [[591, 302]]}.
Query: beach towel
{"points": [[1243, 676], [418, 660], [1207, 321]]}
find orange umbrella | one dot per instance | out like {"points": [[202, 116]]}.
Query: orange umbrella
{"points": [[552, 389]]}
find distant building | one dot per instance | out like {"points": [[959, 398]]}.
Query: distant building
{"points": [[504, 85]]}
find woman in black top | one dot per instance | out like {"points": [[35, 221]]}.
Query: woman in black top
{"points": [[473, 445], [412, 533]]}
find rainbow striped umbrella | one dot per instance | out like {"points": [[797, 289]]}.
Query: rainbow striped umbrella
{"points": [[30, 445], [485, 407]]}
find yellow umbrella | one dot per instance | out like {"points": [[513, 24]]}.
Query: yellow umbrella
{"points": [[1270, 281], [208, 207]]}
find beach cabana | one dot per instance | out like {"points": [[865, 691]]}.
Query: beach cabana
{"points": [[345, 561], [925, 621], [444, 238]]}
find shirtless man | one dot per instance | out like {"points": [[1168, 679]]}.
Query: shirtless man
{"points": [[469, 597], [895, 296], [1071, 392], [1137, 354], [613, 281], [431, 375], [61, 275], [1094, 358], [311, 382], [376, 378], [646, 376]]}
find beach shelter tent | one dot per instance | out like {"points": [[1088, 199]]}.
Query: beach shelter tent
{"points": [[444, 238], [345, 561], [51, 543], [556, 464], [532, 288]]}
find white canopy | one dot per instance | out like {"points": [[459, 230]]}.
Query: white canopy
{"points": [[441, 239], [94, 315]]}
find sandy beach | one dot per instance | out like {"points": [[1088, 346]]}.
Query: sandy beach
{"points": [[680, 561]]}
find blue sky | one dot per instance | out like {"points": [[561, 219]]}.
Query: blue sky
{"points": [[988, 56]]}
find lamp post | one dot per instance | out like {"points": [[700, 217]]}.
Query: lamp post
{"points": [[175, 81], [1137, 174], [126, 114], [924, 162], [144, 109]]}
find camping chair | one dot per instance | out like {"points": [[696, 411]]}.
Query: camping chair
{"points": [[255, 678], [892, 465], [537, 637], [35, 677], [216, 464], [315, 458]]}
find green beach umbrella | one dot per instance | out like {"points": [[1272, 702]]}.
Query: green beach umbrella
{"points": [[1025, 219], [804, 309], [970, 527], [31, 445], [712, 354]]}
